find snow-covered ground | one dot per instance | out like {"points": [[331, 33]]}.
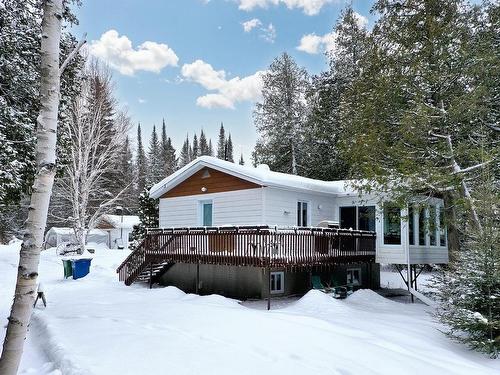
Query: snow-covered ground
{"points": [[96, 325]]}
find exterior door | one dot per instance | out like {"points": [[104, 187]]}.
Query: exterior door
{"points": [[206, 213]]}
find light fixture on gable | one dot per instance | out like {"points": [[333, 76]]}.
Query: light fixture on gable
{"points": [[204, 189]]}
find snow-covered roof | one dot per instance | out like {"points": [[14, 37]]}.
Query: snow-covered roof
{"points": [[260, 175], [70, 231], [121, 221]]}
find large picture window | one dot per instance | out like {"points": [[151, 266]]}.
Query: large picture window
{"points": [[362, 218], [392, 225], [302, 214]]}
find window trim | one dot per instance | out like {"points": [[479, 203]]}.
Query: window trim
{"points": [[360, 280], [281, 274]]}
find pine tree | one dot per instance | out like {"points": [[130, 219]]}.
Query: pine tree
{"points": [[322, 157], [204, 147], [210, 148], [281, 115], [155, 167], [195, 148], [221, 144], [229, 149], [129, 197], [171, 159], [185, 156], [141, 162], [469, 290], [242, 161], [20, 38], [148, 215], [168, 158]]}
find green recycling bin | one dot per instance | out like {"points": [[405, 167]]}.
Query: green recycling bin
{"points": [[68, 268]]}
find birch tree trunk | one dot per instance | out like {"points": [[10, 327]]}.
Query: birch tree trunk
{"points": [[27, 274]]}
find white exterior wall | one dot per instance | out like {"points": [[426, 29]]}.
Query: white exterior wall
{"points": [[280, 207], [273, 206], [240, 207]]}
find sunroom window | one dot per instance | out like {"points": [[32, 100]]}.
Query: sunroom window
{"points": [[432, 225], [442, 227], [392, 225], [422, 227], [411, 225]]}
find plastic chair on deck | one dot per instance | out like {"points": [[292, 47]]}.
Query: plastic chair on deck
{"points": [[318, 285]]}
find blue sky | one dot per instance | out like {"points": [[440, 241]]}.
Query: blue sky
{"points": [[177, 74]]}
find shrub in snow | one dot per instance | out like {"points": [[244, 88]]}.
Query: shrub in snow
{"points": [[148, 214], [469, 290]]}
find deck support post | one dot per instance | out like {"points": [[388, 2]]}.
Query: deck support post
{"points": [[269, 286], [151, 275], [198, 277]]}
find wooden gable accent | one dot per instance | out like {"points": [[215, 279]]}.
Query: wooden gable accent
{"points": [[207, 181]]}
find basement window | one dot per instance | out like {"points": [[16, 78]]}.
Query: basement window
{"points": [[277, 282], [354, 276]]}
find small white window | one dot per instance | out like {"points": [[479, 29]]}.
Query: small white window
{"points": [[277, 282], [302, 214], [354, 276]]}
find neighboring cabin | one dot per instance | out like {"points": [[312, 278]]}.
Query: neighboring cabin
{"points": [[209, 192], [118, 229]]}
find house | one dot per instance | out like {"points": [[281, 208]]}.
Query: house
{"points": [[55, 236], [118, 229], [213, 194]]}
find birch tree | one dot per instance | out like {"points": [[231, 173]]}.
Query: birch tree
{"points": [[27, 275], [93, 155]]}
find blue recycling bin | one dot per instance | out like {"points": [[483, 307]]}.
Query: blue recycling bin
{"points": [[81, 268]]}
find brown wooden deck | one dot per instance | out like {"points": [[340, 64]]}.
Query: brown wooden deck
{"points": [[263, 246]]}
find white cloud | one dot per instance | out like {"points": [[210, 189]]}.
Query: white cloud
{"points": [[309, 7], [227, 91], [141, 100], [251, 24], [313, 44], [268, 33], [118, 52]]}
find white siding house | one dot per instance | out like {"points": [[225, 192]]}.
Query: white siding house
{"points": [[258, 196]]}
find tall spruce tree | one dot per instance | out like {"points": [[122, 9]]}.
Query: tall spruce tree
{"points": [[221, 143], [155, 166], [141, 162], [195, 148], [185, 156], [204, 150], [127, 172], [281, 115], [229, 149], [210, 148], [322, 158]]}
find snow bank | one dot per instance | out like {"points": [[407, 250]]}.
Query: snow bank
{"points": [[96, 325]]}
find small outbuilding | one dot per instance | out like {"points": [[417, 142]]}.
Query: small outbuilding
{"points": [[55, 236], [118, 229]]}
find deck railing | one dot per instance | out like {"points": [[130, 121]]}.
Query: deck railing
{"points": [[258, 246]]}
